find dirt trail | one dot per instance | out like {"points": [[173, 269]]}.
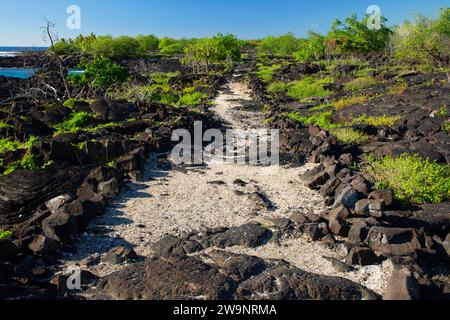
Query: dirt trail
{"points": [[220, 195]]}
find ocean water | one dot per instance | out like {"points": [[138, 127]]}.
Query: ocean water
{"points": [[20, 73], [25, 73], [14, 51]]}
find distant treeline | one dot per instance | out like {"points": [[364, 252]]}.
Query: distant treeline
{"points": [[422, 40]]}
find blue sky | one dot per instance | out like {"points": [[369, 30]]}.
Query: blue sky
{"points": [[20, 20]]}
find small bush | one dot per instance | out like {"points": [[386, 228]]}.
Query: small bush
{"points": [[7, 144], [308, 87], [100, 74], [5, 125], [425, 41], [310, 49], [284, 45], [398, 88], [349, 136], [377, 121], [164, 78], [446, 126], [192, 99], [5, 234], [354, 36], [70, 103], [443, 111], [360, 83], [278, 87], [77, 122], [412, 178], [346, 102], [322, 120], [266, 73]]}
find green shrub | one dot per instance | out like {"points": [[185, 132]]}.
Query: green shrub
{"points": [[278, 87], [5, 234], [354, 36], [310, 49], [284, 45], [398, 88], [266, 73], [412, 178], [100, 74], [192, 99], [308, 87], [77, 122], [346, 102], [147, 43], [163, 78], [5, 125], [377, 121], [322, 120], [7, 144], [349, 136], [446, 126], [201, 54], [120, 47], [443, 111], [425, 41], [360, 83]]}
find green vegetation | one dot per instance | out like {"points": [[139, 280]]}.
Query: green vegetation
{"points": [[29, 161], [4, 125], [310, 49], [354, 36], [308, 87], [443, 111], [278, 87], [5, 234], [349, 136], [192, 99], [200, 54], [7, 144], [351, 36], [446, 126], [377, 121], [322, 120], [412, 178], [346, 102], [360, 83], [266, 73], [76, 122], [425, 41], [398, 88], [284, 45], [108, 46], [100, 74]]}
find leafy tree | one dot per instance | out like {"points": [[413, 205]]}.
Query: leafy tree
{"points": [[147, 43], [312, 48], [100, 74], [284, 45], [171, 46], [424, 40], [202, 53], [354, 36]]}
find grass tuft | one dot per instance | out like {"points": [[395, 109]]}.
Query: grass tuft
{"points": [[377, 121], [349, 136], [346, 102], [360, 83]]}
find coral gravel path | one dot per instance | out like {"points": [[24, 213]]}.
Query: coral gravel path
{"points": [[178, 200]]}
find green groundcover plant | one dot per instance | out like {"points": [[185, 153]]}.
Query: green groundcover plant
{"points": [[412, 178]]}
